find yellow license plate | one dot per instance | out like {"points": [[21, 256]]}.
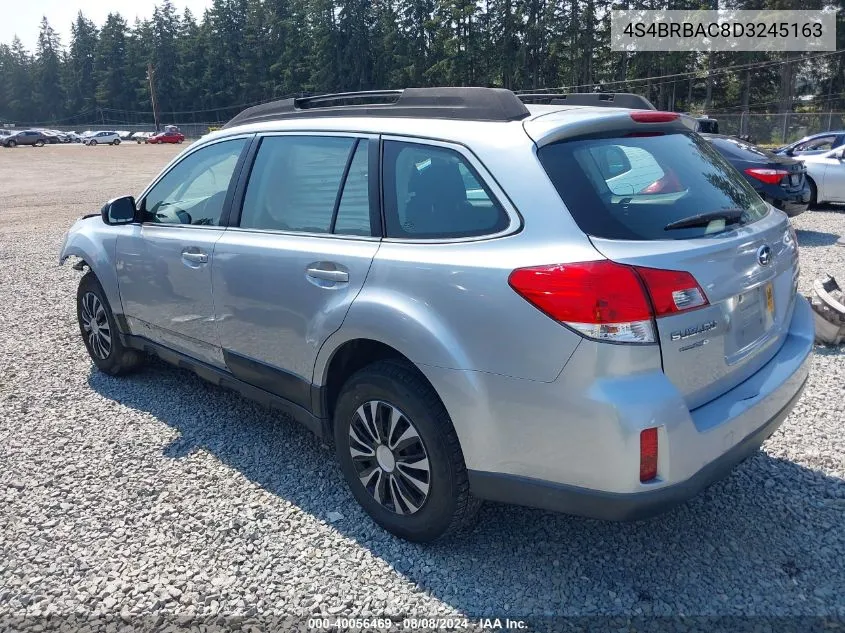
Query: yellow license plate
{"points": [[770, 299]]}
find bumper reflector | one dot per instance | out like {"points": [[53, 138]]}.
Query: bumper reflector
{"points": [[648, 454]]}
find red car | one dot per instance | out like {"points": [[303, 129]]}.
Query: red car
{"points": [[166, 137]]}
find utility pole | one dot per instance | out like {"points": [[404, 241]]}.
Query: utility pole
{"points": [[151, 77]]}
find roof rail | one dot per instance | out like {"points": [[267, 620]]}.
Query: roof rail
{"points": [[472, 104], [600, 99]]}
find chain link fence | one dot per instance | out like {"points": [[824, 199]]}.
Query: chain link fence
{"points": [[779, 129], [190, 130], [764, 129]]}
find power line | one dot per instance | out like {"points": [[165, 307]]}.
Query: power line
{"points": [[694, 73], [826, 98]]}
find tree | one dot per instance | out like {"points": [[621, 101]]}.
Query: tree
{"points": [[190, 66], [241, 52], [289, 45], [325, 52], [48, 91], [20, 85], [355, 54], [110, 65], [80, 83], [165, 29], [255, 54]]}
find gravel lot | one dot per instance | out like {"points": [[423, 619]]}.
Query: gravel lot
{"points": [[159, 495]]}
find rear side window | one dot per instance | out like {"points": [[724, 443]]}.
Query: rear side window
{"points": [[817, 144], [295, 185], [432, 192], [636, 187]]}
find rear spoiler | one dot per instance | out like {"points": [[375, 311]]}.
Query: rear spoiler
{"points": [[571, 124]]}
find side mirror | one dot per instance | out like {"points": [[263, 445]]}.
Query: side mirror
{"points": [[119, 211]]}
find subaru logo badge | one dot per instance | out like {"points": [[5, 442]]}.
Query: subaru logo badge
{"points": [[764, 255]]}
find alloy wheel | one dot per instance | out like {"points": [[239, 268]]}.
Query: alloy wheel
{"points": [[95, 324], [389, 457]]}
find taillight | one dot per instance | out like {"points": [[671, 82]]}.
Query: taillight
{"points": [[607, 301], [768, 176], [648, 454], [672, 291], [654, 116], [602, 300]]}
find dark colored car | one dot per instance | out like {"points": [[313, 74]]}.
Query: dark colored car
{"points": [[706, 125], [26, 137], [780, 180], [167, 137], [813, 144]]}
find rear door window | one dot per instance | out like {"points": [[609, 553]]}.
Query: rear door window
{"points": [[353, 212], [297, 184], [636, 187]]}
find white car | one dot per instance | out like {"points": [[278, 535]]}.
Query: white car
{"points": [[826, 175], [102, 138]]}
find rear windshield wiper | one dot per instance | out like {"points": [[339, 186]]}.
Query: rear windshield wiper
{"points": [[730, 216]]}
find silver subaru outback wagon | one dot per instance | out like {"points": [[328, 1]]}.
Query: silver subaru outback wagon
{"points": [[569, 302]]}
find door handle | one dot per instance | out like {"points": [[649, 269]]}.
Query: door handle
{"points": [[195, 257], [327, 274]]}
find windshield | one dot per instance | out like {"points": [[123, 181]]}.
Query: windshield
{"points": [[642, 186]]}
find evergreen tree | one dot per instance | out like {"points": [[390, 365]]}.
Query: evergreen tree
{"points": [[20, 85], [165, 29], [80, 83], [110, 66], [241, 52], [48, 84]]}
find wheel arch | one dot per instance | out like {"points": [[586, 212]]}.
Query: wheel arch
{"points": [[349, 357], [817, 198], [454, 389], [95, 255]]}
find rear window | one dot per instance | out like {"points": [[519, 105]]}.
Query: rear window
{"points": [[740, 149], [636, 187]]}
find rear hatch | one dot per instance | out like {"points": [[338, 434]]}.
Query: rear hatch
{"points": [[652, 195]]}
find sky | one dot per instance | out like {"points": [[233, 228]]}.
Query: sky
{"points": [[22, 17]]}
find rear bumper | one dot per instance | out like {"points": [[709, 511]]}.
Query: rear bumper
{"points": [[790, 203], [572, 445], [611, 506]]}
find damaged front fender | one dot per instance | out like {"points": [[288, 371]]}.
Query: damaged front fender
{"points": [[93, 243]]}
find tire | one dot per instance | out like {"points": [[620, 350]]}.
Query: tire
{"points": [[12, 144], [39, 143], [116, 141], [442, 506], [179, 141], [110, 357], [92, 143]]}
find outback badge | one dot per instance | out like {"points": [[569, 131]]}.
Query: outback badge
{"points": [[695, 330]]}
